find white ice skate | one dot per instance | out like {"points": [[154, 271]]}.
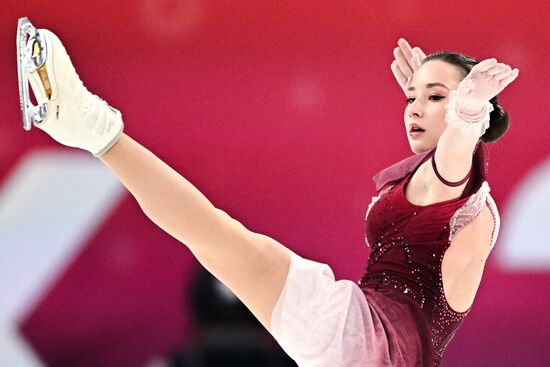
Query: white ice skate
{"points": [[66, 110]]}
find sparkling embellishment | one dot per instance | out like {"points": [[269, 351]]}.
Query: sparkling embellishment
{"points": [[407, 253]]}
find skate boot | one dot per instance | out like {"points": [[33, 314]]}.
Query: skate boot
{"points": [[66, 110]]}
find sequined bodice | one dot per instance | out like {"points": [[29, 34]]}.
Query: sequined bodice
{"points": [[408, 243]]}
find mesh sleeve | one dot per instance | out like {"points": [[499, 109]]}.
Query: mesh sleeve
{"points": [[471, 209]]}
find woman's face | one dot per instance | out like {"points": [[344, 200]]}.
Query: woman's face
{"points": [[425, 104]]}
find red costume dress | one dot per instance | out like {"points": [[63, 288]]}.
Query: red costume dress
{"points": [[397, 314]]}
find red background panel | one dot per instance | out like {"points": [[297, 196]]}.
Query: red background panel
{"points": [[280, 114]]}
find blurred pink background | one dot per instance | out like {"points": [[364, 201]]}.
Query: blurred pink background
{"points": [[280, 113]]}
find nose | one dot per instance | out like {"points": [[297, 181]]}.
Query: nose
{"points": [[415, 108]]}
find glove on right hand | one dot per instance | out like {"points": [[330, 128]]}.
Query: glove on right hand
{"points": [[407, 61]]}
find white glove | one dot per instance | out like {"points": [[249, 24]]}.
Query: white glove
{"points": [[76, 117], [407, 61], [469, 107]]}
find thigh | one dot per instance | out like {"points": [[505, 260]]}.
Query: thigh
{"points": [[252, 265]]}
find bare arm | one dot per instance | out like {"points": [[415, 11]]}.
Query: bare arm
{"points": [[252, 265], [468, 115], [454, 155]]}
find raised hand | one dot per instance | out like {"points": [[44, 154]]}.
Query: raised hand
{"points": [[483, 82], [407, 61], [469, 107]]}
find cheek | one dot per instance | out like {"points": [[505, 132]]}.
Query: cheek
{"points": [[442, 110], [442, 113], [438, 113], [406, 113]]}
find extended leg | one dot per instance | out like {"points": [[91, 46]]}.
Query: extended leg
{"points": [[252, 265]]}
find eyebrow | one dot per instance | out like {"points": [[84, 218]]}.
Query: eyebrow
{"points": [[431, 85]]}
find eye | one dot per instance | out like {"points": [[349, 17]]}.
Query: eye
{"points": [[436, 98]]}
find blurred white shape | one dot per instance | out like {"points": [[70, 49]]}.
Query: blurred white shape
{"points": [[171, 20], [524, 241], [158, 362], [14, 351], [305, 92], [49, 206]]}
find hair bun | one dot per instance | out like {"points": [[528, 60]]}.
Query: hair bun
{"points": [[498, 123]]}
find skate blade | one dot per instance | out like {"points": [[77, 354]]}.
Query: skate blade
{"points": [[32, 52]]}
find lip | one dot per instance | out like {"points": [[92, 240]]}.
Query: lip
{"points": [[413, 125], [415, 134]]}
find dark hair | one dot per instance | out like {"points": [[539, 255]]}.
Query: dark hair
{"points": [[498, 123]]}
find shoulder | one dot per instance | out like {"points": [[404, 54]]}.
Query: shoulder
{"points": [[484, 222], [475, 236]]}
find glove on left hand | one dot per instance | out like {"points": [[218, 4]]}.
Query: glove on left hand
{"points": [[483, 82], [469, 108]]}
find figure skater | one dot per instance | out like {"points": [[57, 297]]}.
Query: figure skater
{"points": [[430, 228]]}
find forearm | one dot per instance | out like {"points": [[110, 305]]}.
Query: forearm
{"points": [[457, 142], [166, 197]]}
